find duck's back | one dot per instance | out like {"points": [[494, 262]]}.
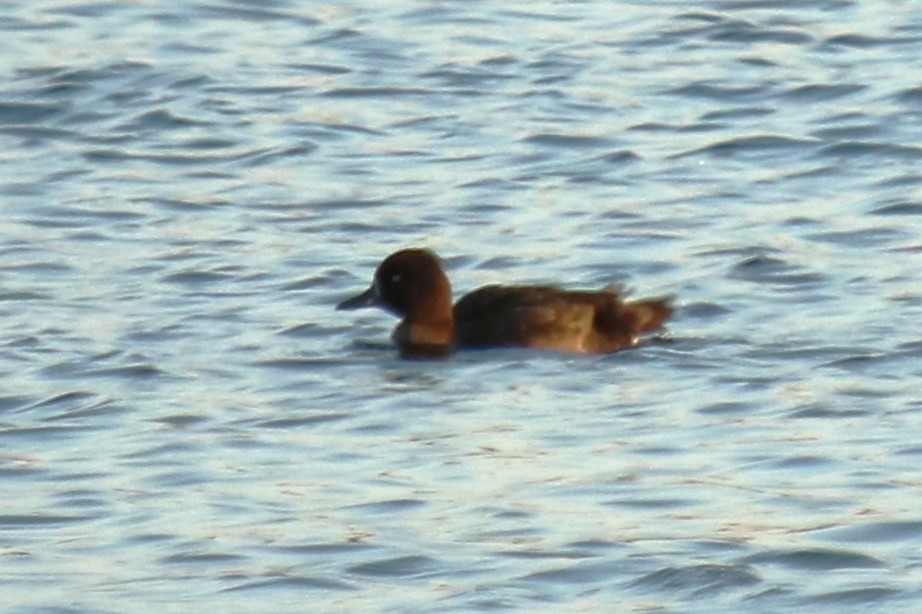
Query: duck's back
{"points": [[550, 318]]}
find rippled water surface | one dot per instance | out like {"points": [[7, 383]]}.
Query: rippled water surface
{"points": [[187, 190]]}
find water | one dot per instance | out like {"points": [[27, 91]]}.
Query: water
{"points": [[187, 191]]}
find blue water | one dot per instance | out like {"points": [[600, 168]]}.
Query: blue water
{"points": [[187, 190]]}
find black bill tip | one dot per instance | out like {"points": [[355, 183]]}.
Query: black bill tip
{"points": [[368, 298]]}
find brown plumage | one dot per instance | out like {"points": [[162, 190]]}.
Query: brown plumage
{"points": [[411, 284]]}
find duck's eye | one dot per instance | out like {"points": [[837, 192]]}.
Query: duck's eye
{"points": [[396, 279]]}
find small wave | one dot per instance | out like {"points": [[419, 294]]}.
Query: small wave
{"points": [[911, 96], [288, 583], [32, 521], [900, 208], [874, 532], [452, 76], [307, 421], [816, 559], [391, 506], [28, 113], [698, 580], [140, 371], [255, 14], [859, 149], [719, 28], [858, 596], [755, 144], [265, 157], [767, 269], [397, 567], [376, 92], [200, 558], [819, 93], [861, 238], [160, 119], [196, 278], [742, 32], [566, 141], [709, 91], [859, 41], [580, 573], [322, 69]]}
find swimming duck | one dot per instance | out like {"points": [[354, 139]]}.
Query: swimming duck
{"points": [[411, 284]]}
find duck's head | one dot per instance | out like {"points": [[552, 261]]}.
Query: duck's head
{"points": [[410, 284]]}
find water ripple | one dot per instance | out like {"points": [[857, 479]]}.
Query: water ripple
{"points": [[398, 567], [698, 580], [816, 559]]}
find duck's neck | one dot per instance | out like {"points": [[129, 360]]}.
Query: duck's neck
{"points": [[433, 335], [429, 330], [425, 351]]}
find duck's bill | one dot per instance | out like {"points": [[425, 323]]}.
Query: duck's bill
{"points": [[368, 298]]}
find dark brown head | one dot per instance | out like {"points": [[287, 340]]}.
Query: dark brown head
{"points": [[411, 285]]}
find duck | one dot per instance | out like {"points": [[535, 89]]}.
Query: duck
{"points": [[412, 285]]}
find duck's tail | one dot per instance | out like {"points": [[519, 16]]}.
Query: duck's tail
{"points": [[650, 314]]}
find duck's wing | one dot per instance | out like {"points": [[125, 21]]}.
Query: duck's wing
{"points": [[523, 316], [551, 318]]}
